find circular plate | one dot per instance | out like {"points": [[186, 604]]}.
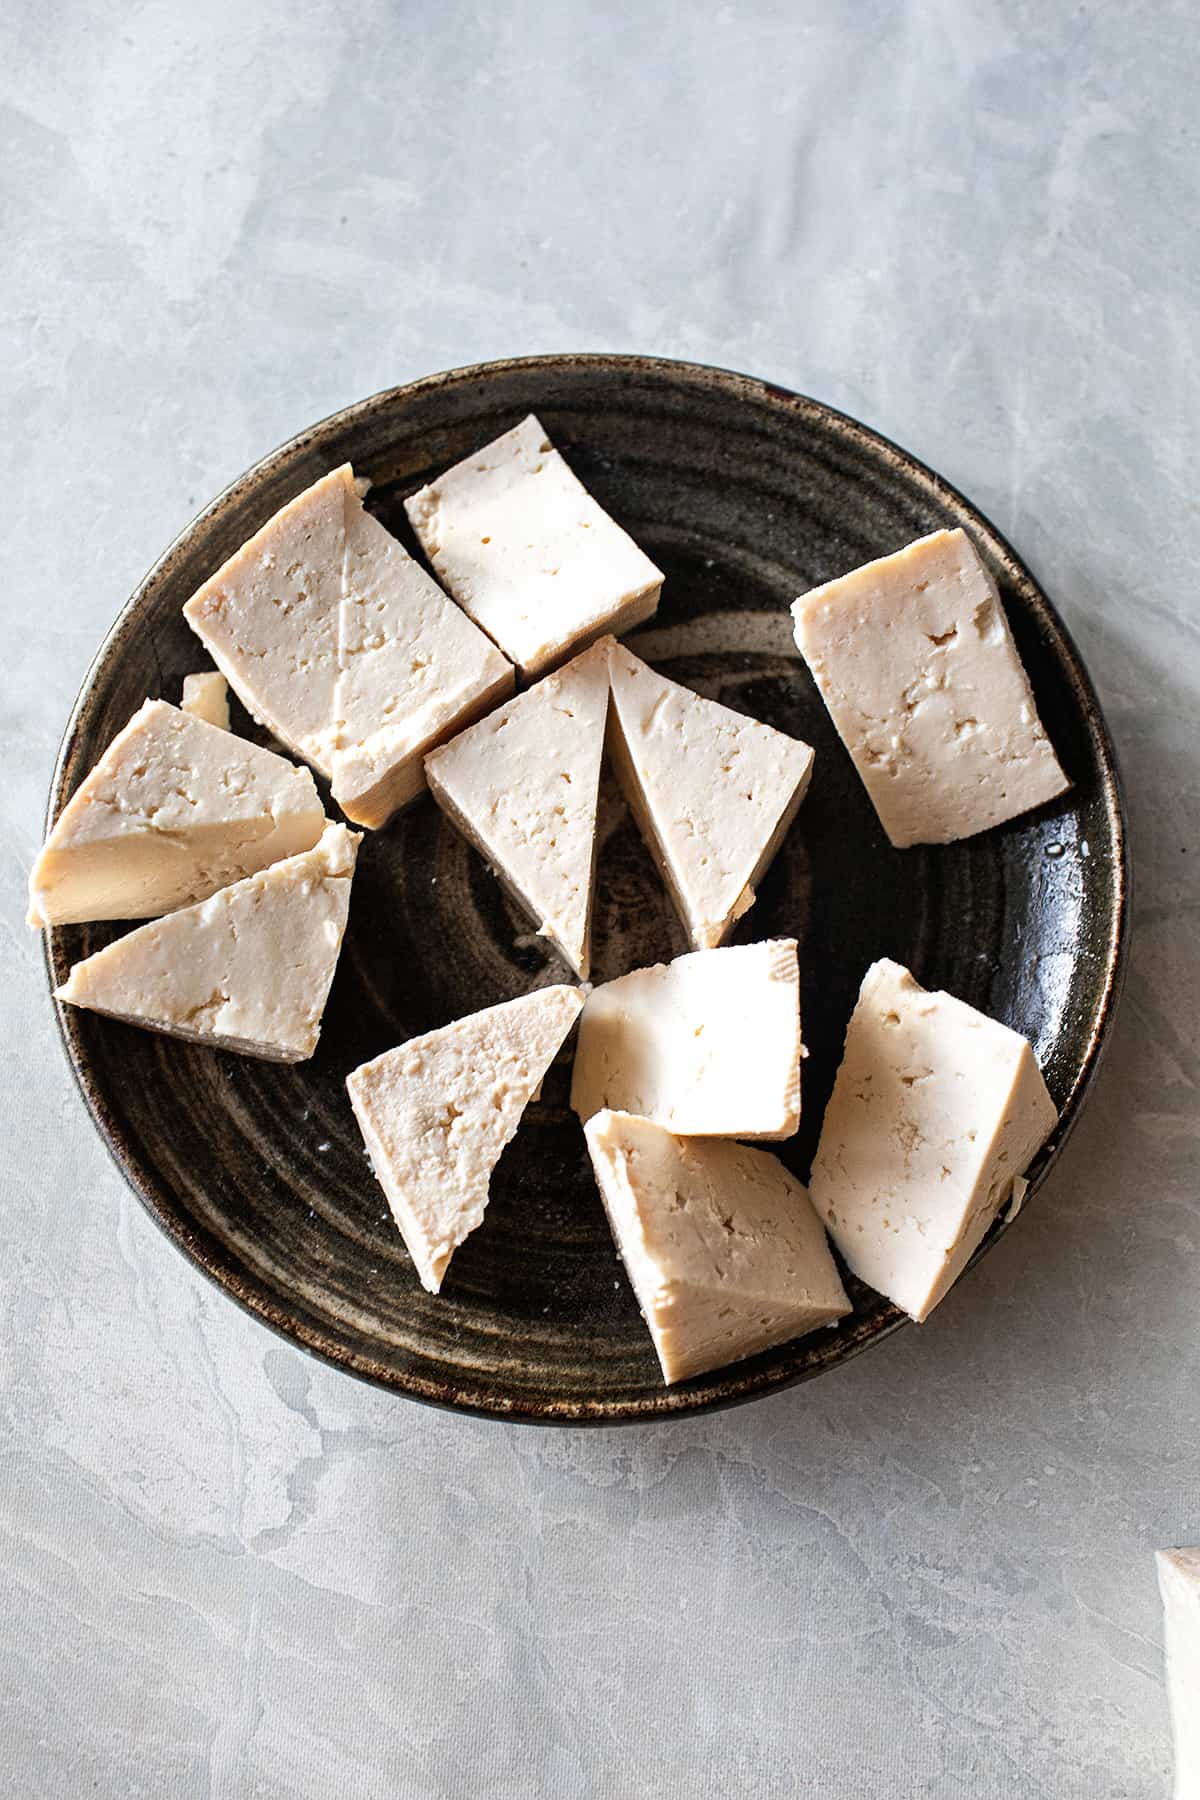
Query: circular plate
{"points": [[745, 495]]}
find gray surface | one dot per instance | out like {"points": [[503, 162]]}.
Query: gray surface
{"points": [[228, 1571]]}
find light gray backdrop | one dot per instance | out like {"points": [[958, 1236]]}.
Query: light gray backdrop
{"points": [[227, 1571]]}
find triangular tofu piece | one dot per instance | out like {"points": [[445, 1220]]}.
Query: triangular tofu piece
{"points": [[935, 1112], [726, 1255], [413, 670], [206, 696], [269, 617], [436, 1113], [522, 785], [248, 969], [707, 1046], [175, 809], [713, 791], [1179, 1586]]}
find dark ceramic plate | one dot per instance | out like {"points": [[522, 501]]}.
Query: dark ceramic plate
{"points": [[745, 495]]}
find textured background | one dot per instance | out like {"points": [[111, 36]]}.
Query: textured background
{"points": [[227, 1571]]}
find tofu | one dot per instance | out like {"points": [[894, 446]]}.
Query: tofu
{"points": [[935, 1113], [269, 617], [713, 792], [522, 786], [914, 659], [206, 697], [175, 809], [1179, 1585], [527, 552], [724, 1251], [412, 671], [437, 1111], [707, 1045], [248, 969]]}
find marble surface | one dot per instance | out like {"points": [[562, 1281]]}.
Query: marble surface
{"points": [[228, 1571]]}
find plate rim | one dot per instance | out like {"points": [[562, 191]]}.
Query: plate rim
{"points": [[239, 1283]]}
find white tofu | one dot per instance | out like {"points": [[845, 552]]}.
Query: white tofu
{"points": [[936, 1111], [175, 809], [412, 670], [249, 969], [269, 617], [528, 553], [1179, 1585], [436, 1112], [725, 1253], [713, 792], [914, 659], [206, 696], [707, 1045], [522, 786]]}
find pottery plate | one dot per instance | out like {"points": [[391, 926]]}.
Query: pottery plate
{"points": [[745, 496]]}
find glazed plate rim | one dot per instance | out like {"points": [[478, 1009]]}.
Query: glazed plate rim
{"points": [[217, 1260]]}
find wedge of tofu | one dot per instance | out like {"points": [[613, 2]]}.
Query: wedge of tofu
{"points": [[913, 656], [175, 809], [269, 617], [713, 791], [707, 1046], [248, 969], [528, 553], [724, 1251], [935, 1113], [1179, 1585], [412, 670], [206, 696], [522, 786], [437, 1111]]}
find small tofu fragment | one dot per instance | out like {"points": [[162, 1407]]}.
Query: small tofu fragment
{"points": [[249, 969], [269, 617], [713, 792], [913, 656], [1179, 1585], [936, 1112], [175, 809], [436, 1112], [522, 786], [707, 1045], [527, 552], [412, 670], [206, 697], [724, 1251]]}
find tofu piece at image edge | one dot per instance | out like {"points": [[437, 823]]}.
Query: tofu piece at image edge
{"points": [[1179, 1586], [913, 656], [935, 1113], [723, 1249], [528, 554], [707, 1046]]}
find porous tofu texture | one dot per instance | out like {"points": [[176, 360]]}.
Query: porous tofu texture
{"points": [[936, 1111], [527, 552], [913, 656], [724, 1251]]}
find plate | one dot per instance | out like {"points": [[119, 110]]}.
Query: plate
{"points": [[745, 495]]}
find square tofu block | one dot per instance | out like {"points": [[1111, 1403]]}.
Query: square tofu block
{"points": [[412, 670], [175, 809], [914, 659], [522, 785], [249, 969], [437, 1111], [707, 1046], [935, 1112], [1179, 1585], [713, 791], [724, 1251], [528, 553]]}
